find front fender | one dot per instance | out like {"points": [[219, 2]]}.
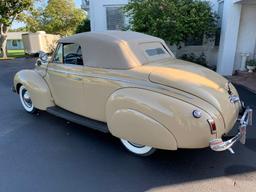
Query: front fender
{"points": [[37, 87], [151, 118]]}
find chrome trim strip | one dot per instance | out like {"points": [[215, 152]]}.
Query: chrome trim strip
{"points": [[138, 82], [234, 98]]}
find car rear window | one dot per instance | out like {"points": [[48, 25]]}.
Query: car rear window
{"points": [[155, 51]]}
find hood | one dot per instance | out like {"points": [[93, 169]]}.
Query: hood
{"points": [[198, 81]]}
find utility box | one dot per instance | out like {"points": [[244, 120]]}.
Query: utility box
{"points": [[39, 41]]}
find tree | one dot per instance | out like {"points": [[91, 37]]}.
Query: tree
{"points": [[19, 29], [57, 17], [9, 10], [173, 20], [85, 26]]}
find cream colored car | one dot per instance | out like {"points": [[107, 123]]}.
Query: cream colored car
{"points": [[130, 85]]}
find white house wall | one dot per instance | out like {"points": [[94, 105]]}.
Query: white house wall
{"points": [[214, 4], [247, 33], [235, 37], [229, 35], [98, 23], [98, 12]]}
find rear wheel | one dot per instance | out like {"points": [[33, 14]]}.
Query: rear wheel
{"points": [[26, 100], [138, 149]]}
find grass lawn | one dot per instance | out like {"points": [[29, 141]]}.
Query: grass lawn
{"points": [[15, 53]]}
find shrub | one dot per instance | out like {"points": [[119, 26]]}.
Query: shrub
{"points": [[251, 62], [172, 20], [85, 26], [201, 60]]}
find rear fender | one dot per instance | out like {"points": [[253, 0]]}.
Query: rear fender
{"points": [[127, 118], [151, 118], [37, 87], [141, 129]]}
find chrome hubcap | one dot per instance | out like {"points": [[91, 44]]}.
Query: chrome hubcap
{"points": [[27, 99]]}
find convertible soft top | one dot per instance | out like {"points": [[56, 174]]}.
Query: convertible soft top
{"points": [[118, 49]]}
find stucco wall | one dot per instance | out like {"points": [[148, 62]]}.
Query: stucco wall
{"points": [[209, 50]]}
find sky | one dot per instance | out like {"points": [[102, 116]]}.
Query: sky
{"points": [[16, 24]]}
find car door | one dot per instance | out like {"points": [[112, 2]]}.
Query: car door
{"points": [[65, 77]]}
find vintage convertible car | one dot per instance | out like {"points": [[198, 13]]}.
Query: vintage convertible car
{"points": [[130, 85]]}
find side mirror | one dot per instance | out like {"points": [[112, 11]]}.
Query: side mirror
{"points": [[43, 57]]}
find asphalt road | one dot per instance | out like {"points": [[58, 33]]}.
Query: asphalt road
{"points": [[44, 153]]}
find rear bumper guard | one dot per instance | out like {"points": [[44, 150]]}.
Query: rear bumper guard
{"points": [[220, 145]]}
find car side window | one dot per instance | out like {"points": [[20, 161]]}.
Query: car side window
{"points": [[72, 54], [58, 57]]}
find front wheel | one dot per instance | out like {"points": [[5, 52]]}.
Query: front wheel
{"points": [[26, 100], [138, 149]]}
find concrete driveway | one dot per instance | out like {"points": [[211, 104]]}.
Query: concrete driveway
{"points": [[44, 153]]}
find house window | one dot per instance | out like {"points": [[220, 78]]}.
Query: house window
{"points": [[14, 43], [115, 18]]}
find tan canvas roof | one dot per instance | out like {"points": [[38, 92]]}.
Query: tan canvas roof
{"points": [[112, 49]]}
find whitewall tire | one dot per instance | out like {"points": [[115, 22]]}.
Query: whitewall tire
{"points": [[25, 100], [137, 149]]}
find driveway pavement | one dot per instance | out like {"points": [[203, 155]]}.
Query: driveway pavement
{"points": [[40, 153], [245, 79]]}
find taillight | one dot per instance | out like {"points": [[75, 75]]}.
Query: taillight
{"points": [[212, 126]]}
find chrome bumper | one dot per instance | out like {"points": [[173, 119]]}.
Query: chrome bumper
{"points": [[220, 145]]}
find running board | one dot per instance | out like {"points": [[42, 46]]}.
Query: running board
{"points": [[81, 120]]}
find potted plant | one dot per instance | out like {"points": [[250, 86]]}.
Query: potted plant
{"points": [[251, 65]]}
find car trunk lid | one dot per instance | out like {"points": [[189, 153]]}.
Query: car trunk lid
{"points": [[199, 81]]}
